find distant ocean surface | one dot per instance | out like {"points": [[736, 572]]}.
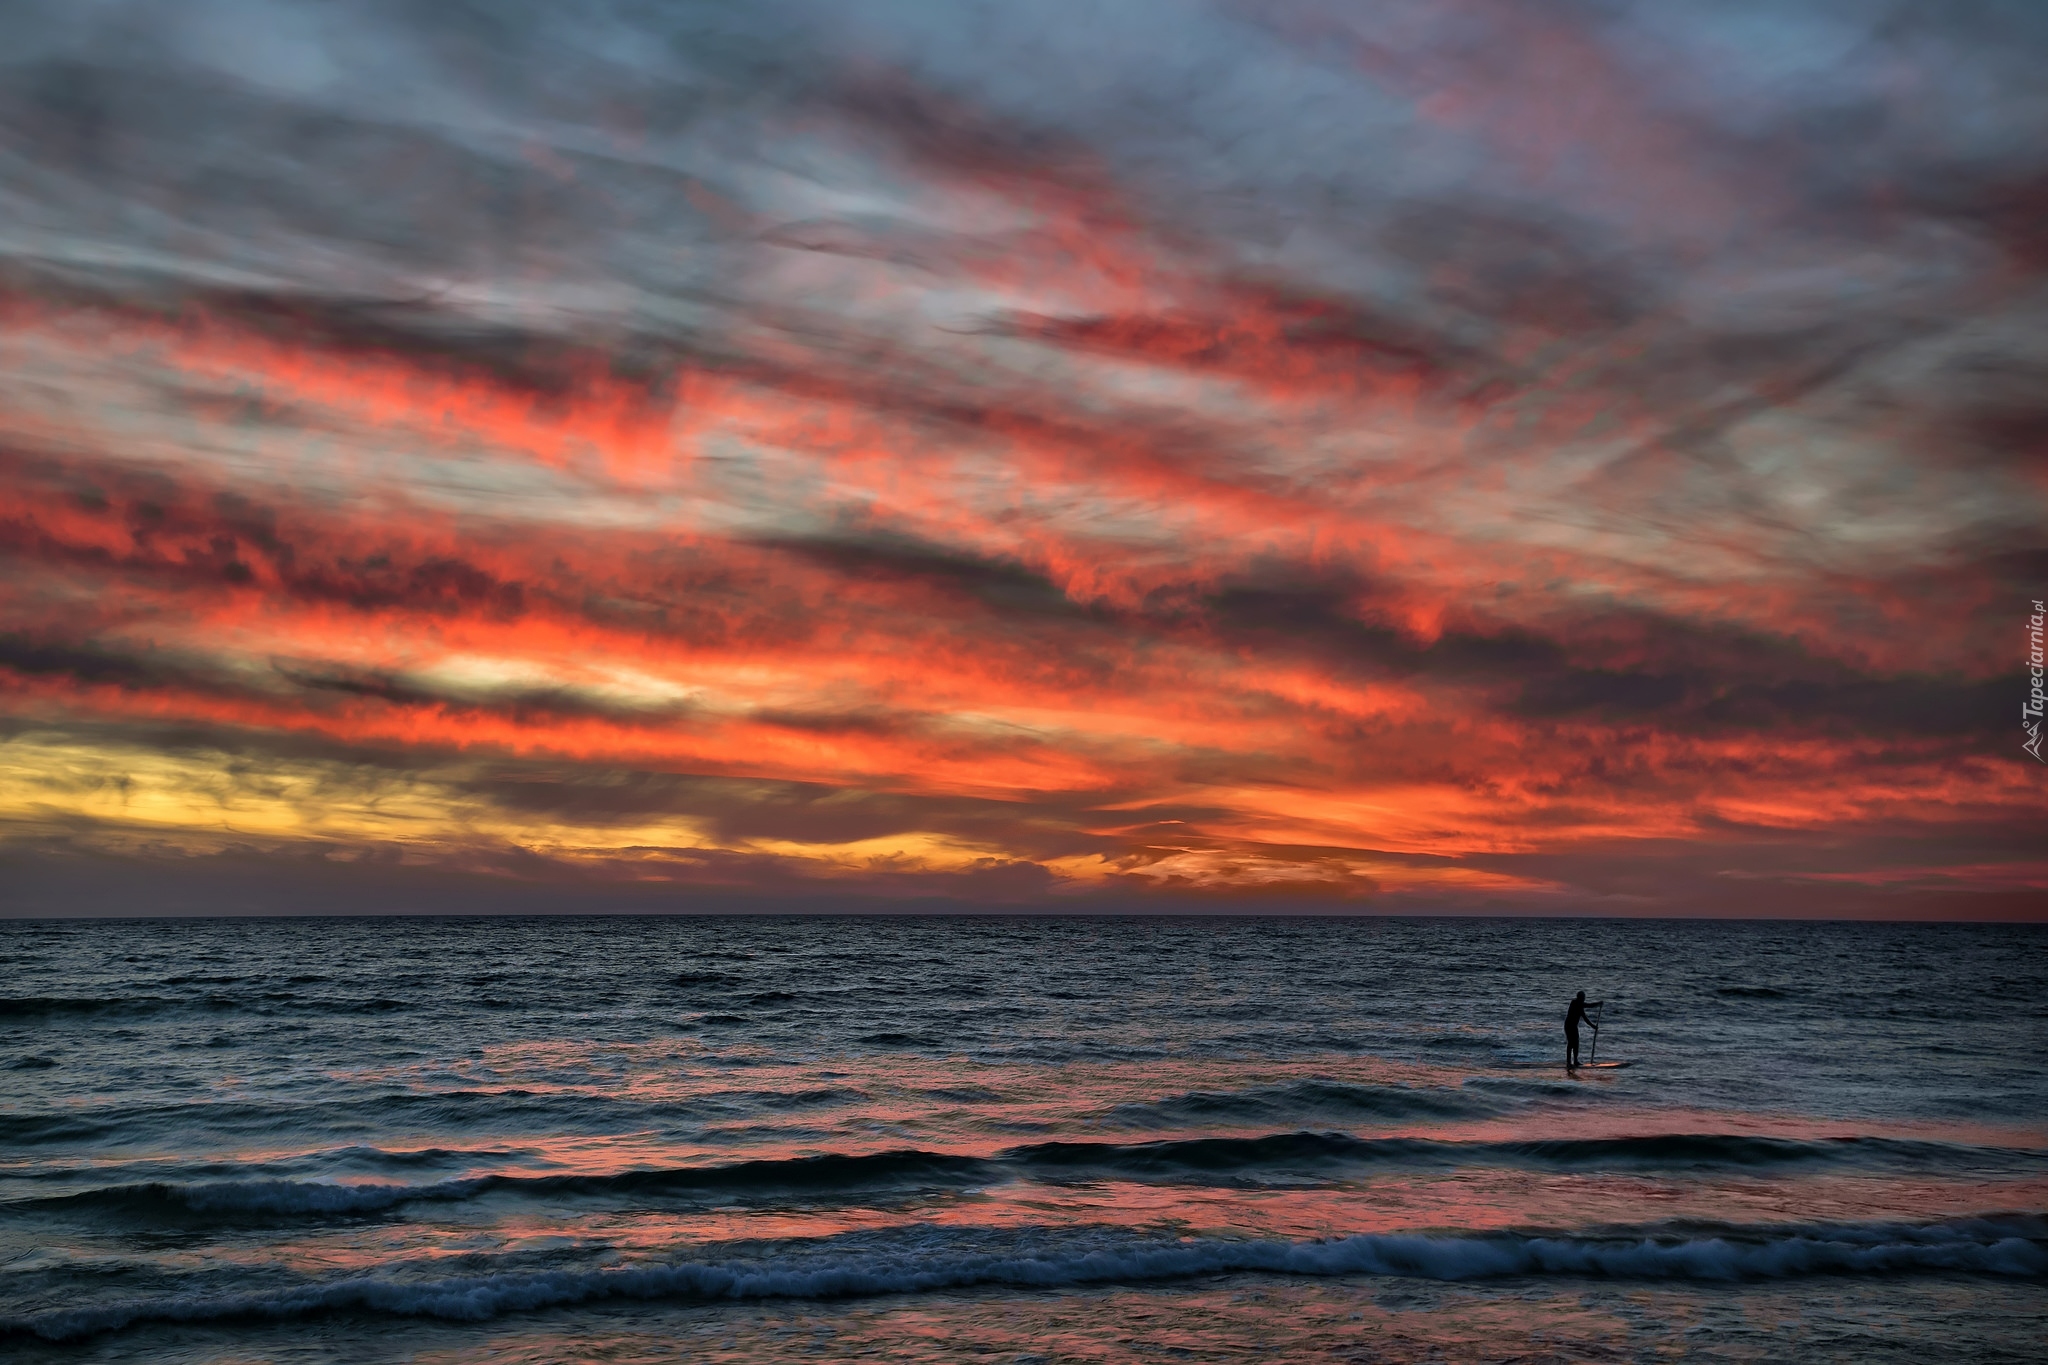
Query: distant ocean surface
{"points": [[1015, 1139]]}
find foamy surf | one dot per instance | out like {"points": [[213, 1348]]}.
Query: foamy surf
{"points": [[858, 1266]]}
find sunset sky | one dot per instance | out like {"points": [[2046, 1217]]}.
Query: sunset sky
{"points": [[1462, 455]]}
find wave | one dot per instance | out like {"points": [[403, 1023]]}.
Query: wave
{"points": [[882, 1170], [1246, 1159], [1724, 1150], [260, 1196], [45, 1006], [507, 1111], [852, 1266], [466, 1111], [1244, 1162]]}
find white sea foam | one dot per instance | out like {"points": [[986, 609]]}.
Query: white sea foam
{"points": [[840, 1269]]}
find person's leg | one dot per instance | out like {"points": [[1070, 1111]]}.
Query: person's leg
{"points": [[1571, 1047]]}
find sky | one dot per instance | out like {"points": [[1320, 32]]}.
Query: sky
{"points": [[1474, 456]]}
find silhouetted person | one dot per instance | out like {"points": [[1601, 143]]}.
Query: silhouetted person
{"points": [[1573, 1017]]}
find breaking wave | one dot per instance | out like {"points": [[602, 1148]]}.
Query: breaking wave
{"points": [[2015, 1246]]}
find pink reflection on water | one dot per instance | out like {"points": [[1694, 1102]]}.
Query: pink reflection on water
{"points": [[968, 1106], [719, 1108], [1472, 1200], [1241, 1318]]}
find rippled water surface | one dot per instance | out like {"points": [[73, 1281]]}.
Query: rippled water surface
{"points": [[630, 1139]]}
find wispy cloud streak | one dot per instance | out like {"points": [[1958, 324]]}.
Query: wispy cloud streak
{"points": [[1441, 454]]}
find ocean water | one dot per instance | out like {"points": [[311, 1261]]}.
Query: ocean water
{"points": [[1019, 1139]]}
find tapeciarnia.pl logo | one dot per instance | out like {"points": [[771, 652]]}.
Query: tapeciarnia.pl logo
{"points": [[2030, 713]]}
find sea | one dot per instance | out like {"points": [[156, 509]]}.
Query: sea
{"points": [[1028, 1139]]}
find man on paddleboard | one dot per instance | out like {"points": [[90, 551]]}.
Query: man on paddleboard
{"points": [[1573, 1017]]}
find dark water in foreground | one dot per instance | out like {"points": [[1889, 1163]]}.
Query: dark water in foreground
{"points": [[646, 1139]]}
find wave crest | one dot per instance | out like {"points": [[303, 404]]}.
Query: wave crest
{"points": [[837, 1268], [1249, 1162]]}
